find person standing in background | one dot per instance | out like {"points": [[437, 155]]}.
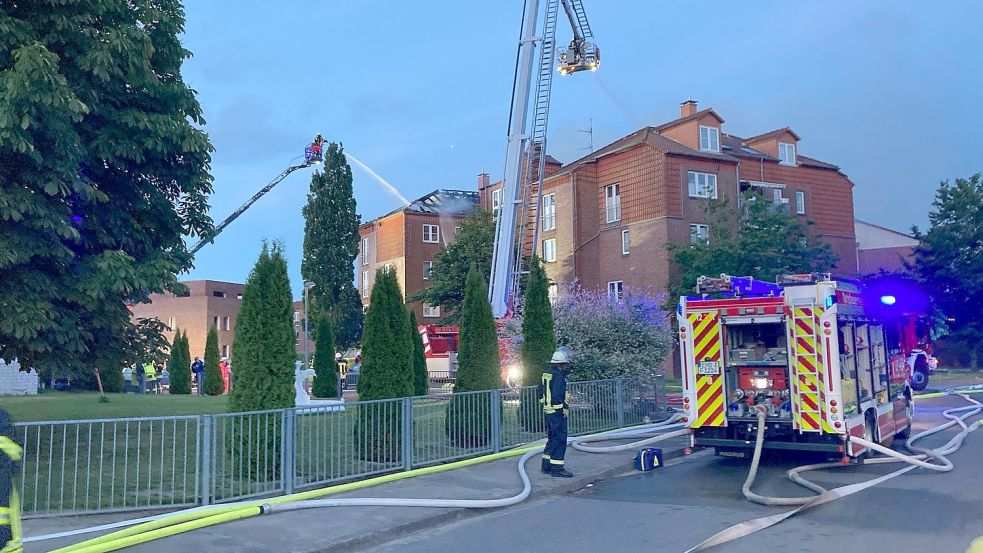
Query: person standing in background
{"points": [[198, 368]]}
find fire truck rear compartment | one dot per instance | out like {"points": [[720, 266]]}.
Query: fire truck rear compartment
{"points": [[756, 369]]}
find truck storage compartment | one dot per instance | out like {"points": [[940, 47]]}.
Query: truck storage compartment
{"points": [[757, 369]]}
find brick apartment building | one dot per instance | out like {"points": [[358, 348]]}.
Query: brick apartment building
{"points": [[605, 218], [298, 322], [882, 249], [408, 239], [208, 303]]}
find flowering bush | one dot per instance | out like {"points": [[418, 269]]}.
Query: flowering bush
{"points": [[611, 337]]}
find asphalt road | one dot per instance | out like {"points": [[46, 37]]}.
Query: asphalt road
{"points": [[679, 506]]}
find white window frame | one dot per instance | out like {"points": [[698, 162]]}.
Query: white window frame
{"points": [[225, 350], [171, 323], [709, 139], [697, 189], [226, 323], [612, 203], [784, 148], [549, 212], [365, 284], [616, 289], [694, 237], [431, 234], [215, 322], [553, 293], [365, 251], [431, 312], [625, 242], [496, 201], [800, 202], [427, 268], [549, 250]]}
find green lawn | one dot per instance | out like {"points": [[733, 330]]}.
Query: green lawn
{"points": [[80, 405]]}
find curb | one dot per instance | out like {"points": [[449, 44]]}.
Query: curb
{"points": [[453, 515]]}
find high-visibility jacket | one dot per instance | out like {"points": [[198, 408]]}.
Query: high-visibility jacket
{"points": [[553, 391], [10, 457], [149, 372]]}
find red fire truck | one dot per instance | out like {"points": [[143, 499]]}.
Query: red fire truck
{"points": [[806, 350]]}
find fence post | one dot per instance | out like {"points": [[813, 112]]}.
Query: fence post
{"points": [[288, 453], [661, 404], [496, 420], [205, 422], [619, 385], [407, 427]]}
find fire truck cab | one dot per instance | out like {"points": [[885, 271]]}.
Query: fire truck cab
{"points": [[806, 351]]}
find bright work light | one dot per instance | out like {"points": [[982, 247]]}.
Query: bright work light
{"points": [[888, 300]]}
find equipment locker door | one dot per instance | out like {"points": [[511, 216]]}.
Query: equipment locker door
{"points": [[709, 370]]}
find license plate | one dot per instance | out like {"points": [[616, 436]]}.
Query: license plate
{"points": [[708, 368]]}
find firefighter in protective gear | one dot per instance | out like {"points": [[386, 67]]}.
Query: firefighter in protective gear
{"points": [[10, 456], [553, 397]]}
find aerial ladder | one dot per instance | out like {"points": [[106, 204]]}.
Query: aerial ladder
{"points": [[313, 155], [522, 183]]}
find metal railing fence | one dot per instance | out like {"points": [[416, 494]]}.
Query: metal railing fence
{"points": [[99, 466]]}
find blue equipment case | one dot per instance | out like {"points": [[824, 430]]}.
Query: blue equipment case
{"points": [[648, 459]]}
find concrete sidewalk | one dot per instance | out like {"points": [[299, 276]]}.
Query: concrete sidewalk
{"points": [[352, 528]]}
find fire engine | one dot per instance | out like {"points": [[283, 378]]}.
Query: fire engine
{"points": [[440, 350], [807, 350]]}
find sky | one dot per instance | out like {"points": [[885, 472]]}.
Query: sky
{"points": [[420, 92]]}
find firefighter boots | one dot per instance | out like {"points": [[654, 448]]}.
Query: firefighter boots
{"points": [[560, 472]]}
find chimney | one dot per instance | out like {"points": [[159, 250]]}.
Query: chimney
{"points": [[687, 108], [483, 180]]}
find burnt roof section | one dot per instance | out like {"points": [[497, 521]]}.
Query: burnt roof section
{"points": [[443, 201]]}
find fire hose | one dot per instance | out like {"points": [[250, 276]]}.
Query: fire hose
{"points": [[931, 459], [145, 529]]}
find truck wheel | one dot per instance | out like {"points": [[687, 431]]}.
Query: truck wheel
{"points": [[870, 432], [909, 413], [919, 379]]}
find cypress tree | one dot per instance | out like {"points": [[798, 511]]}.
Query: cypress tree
{"points": [[263, 348], [186, 356], [538, 343], [421, 380], [326, 377], [469, 415], [387, 371], [214, 385], [178, 372]]}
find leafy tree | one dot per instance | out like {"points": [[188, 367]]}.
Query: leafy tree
{"points": [[331, 237], [387, 370], [538, 342], [349, 320], [421, 377], [104, 171], [214, 384], [325, 369], [178, 368], [949, 260], [610, 337], [472, 245], [468, 414], [263, 348], [767, 242]]}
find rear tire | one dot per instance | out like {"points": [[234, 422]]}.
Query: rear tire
{"points": [[919, 376], [909, 411]]}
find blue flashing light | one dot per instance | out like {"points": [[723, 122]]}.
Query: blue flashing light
{"points": [[888, 300], [830, 300]]}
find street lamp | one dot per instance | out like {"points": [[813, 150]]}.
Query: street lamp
{"points": [[307, 286]]}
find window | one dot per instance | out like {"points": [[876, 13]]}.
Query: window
{"points": [[431, 312], [431, 234], [225, 350], [365, 284], [702, 185], [699, 234], [496, 201], [616, 289], [218, 293], [427, 267], [239, 296], [625, 242], [457, 230], [612, 203], [296, 317], [365, 251], [226, 323], [549, 212], [553, 292], [709, 139], [549, 250], [786, 153], [171, 323], [215, 322], [800, 203]]}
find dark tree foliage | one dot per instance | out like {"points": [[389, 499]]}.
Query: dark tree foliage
{"points": [[538, 342], [104, 169], [178, 368], [421, 378], [214, 384], [325, 368], [349, 320]]}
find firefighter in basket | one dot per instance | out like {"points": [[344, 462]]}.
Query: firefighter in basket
{"points": [[552, 392]]}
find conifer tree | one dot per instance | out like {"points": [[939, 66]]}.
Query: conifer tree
{"points": [[177, 370], [421, 378], [213, 383], [325, 368], [538, 343]]}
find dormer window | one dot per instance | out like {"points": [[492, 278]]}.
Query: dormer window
{"points": [[786, 153], [709, 139]]}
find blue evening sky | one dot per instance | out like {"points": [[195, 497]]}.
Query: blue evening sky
{"points": [[420, 90]]}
